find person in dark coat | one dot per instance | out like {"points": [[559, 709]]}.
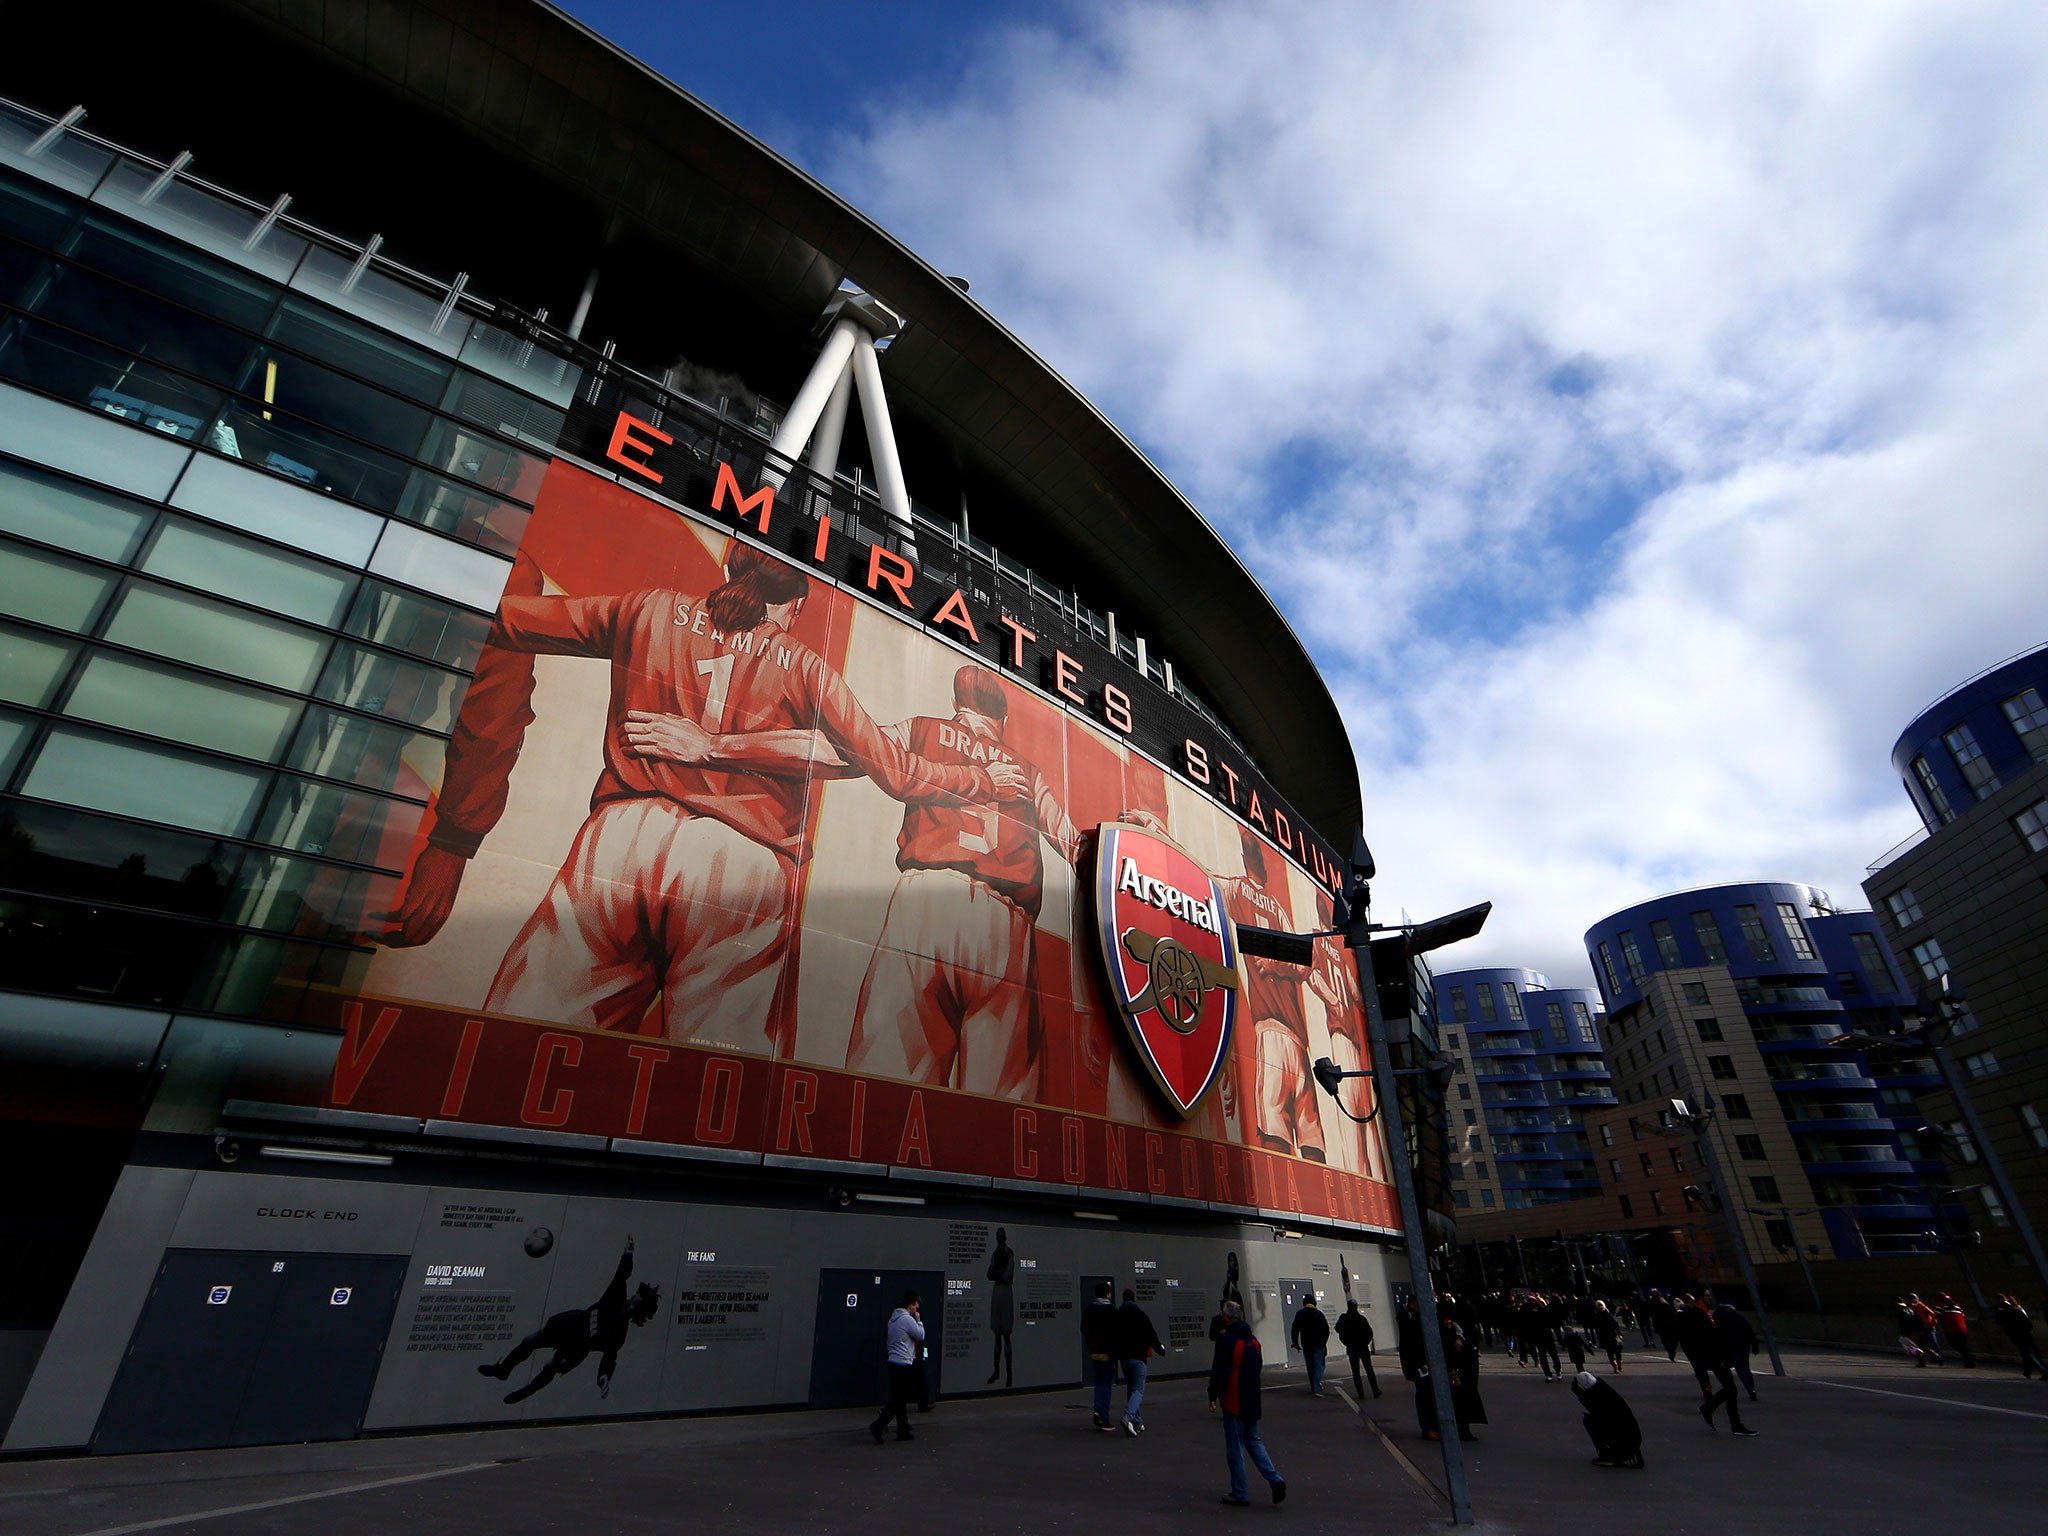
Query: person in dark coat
{"points": [[1234, 1389], [1311, 1335], [1098, 1337], [2019, 1327], [1706, 1352], [1354, 1332], [1137, 1341], [1415, 1364], [1738, 1343], [1461, 1359], [1617, 1438], [1607, 1328]]}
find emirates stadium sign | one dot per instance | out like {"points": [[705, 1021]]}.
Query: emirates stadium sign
{"points": [[1171, 956]]}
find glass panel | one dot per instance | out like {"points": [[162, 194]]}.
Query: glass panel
{"points": [[179, 706], [37, 214], [88, 373], [141, 325], [174, 270], [249, 572], [518, 361], [78, 950], [217, 637], [359, 349], [504, 411], [210, 219], [31, 666], [48, 589], [66, 853], [14, 733], [21, 269], [69, 160], [270, 977], [338, 746], [341, 823], [452, 507], [69, 515], [484, 461], [311, 455], [406, 621], [86, 769], [316, 393], [385, 685], [381, 295], [312, 900]]}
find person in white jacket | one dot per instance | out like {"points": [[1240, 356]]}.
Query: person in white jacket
{"points": [[905, 1336]]}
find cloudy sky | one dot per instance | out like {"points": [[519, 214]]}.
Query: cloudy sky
{"points": [[1637, 410]]}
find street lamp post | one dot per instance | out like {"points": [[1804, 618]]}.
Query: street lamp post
{"points": [[1697, 1121], [1786, 1213]]}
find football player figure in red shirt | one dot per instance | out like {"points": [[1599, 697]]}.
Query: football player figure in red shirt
{"points": [[681, 881], [1334, 980], [951, 992], [1284, 1097]]}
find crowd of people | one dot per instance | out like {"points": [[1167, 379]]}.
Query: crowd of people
{"points": [[1535, 1329]]}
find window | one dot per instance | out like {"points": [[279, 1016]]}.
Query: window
{"points": [[1765, 1188], [1994, 1207], [1461, 1199], [1451, 1040], [1905, 906], [1661, 1046], [1755, 935], [1735, 1106], [1464, 1090], [1722, 1067], [1607, 970], [1677, 1159], [1461, 1012], [1614, 1169], [1750, 1147], [1628, 1208], [1583, 1017], [1795, 931], [2033, 825], [1649, 1164], [1696, 994], [1471, 1118], [1709, 1030], [2029, 716], [1486, 1197], [1666, 942], [1965, 1144], [1606, 1135], [1849, 984], [1479, 1170], [1511, 995], [1981, 1064], [1708, 932], [1932, 962], [1554, 1012], [1870, 955], [1457, 1172], [1488, 1014], [1969, 756], [1657, 1202], [1779, 1232], [1931, 788], [1635, 1129], [2030, 1121], [1631, 956]]}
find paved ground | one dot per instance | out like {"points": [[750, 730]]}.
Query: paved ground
{"points": [[1851, 1443]]}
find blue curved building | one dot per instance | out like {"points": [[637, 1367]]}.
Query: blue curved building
{"points": [[1739, 996], [1967, 899], [1529, 1070]]}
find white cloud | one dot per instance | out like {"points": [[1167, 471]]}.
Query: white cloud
{"points": [[1672, 380]]}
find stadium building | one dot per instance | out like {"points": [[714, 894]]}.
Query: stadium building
{"points": [[599, 773]]}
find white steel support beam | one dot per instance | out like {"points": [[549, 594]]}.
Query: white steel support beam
{"points": [[874, 410], [811, 400]]}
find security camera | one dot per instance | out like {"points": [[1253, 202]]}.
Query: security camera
{"points": [[840, 1197], [226, 1148]]}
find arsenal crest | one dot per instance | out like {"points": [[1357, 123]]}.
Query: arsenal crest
{"points": [[1171, 955]]}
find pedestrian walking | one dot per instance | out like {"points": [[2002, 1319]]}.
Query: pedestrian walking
{"points": [[1664, 1316], [2012, 1317], [1575, 1348], [1738, 1343], [1955, 1328], [1607, 1329], [1921, 1322], [1311, 1335], [1137, 1341], [902, 1340], [1354, 1332], [1610, 1422], [1234, 1390], [1098, 1336], [1700, 1337]]}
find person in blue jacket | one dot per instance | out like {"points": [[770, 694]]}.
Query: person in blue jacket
{"points": [[1234, 1388]]}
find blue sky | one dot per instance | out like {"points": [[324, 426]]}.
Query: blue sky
{"points": [[1638, 411]]}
